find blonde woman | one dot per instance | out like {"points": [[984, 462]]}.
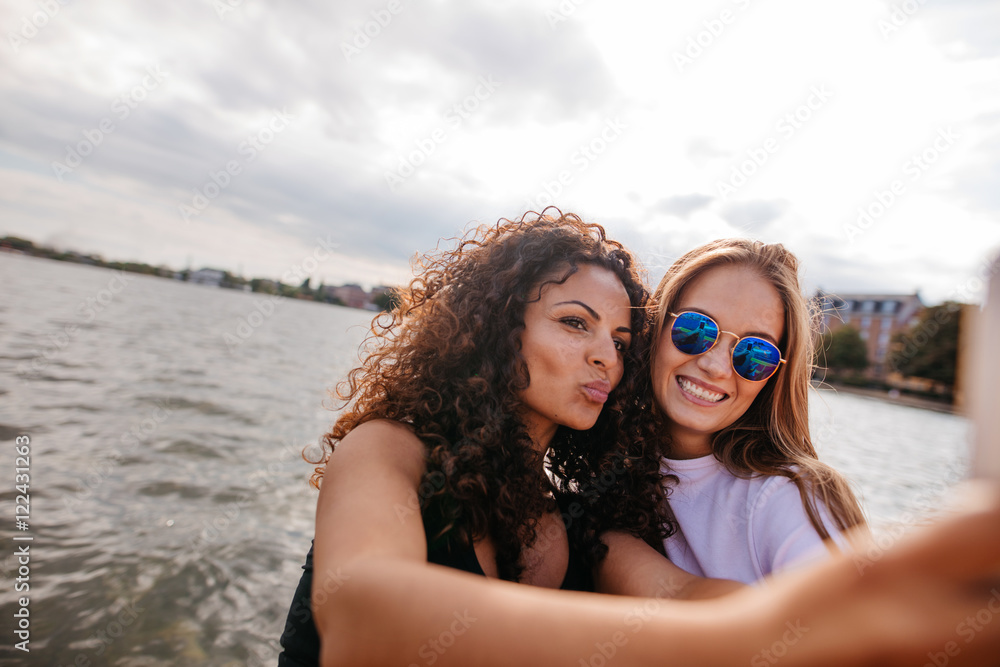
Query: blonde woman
{"points": [[732, 357]]}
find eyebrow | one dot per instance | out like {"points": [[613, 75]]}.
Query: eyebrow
{"points": [[593, 313], [758, 334]]}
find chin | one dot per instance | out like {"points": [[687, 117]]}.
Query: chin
{"points": [[583, 423], [695, 423]]}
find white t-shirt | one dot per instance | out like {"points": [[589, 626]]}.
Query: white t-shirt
{"points": [[742, 529]]}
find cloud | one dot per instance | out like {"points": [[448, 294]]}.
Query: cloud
{"points": [[965, 29], [682, 206], [754, 217], [702, 150], [326, 170], [356, 116]]}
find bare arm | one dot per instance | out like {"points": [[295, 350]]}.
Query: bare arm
{"points": [[383, 604], [390, 607], [632, 567]]}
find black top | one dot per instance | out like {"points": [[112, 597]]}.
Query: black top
{"points": [[300, 642]]}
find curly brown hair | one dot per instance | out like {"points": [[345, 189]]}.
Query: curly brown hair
{"points": [[447, 362]]}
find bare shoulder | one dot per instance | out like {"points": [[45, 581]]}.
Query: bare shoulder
{"points": [[368, 503], [381, 443]]}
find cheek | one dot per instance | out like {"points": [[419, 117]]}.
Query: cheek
{"points": [[749, 392], [617, 378], [663, 363], [658, 362]]}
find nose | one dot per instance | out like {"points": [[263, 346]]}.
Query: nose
{"points": [[716, 362], [604, 354]]}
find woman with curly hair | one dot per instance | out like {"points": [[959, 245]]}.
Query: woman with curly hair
{"points": [[502, 385], [463, 363], [732, 357], [493, 431]]}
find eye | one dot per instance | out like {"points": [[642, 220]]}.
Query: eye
{"points": [[575, 322], [621, 345]]}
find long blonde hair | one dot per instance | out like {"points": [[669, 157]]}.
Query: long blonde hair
{"points": [[772, 436]]}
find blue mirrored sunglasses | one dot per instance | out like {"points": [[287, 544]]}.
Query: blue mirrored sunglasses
{"points": [[754, 359]]}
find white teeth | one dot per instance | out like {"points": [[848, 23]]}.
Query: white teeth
{"points": [[700, 392]]}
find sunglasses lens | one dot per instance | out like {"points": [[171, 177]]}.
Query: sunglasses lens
{"points": [[756, 359], [693, 333]]}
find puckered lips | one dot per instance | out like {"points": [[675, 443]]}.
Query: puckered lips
{"points": [[700, 393], [598, 390]]}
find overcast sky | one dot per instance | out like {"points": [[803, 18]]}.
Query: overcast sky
{"points": [[246, 134]]}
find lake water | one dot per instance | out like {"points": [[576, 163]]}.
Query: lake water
{"points": [[170, 506]]}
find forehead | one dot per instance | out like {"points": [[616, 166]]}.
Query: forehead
{"points": [[588, 283], [738, 298]]}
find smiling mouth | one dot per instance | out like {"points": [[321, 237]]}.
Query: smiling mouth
{"points": [[689, 387]]}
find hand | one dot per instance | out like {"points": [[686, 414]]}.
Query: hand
{"points": [[933, 598]]}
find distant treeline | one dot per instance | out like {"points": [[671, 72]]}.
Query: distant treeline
{"points": [[383, 298]]}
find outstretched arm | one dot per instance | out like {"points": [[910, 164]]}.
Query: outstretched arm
{"points": [[383, 604], [390, 607]]}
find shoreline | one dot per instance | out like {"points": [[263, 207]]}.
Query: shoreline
{"points": [[901, 399]]}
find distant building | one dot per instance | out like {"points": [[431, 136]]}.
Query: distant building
{"points": [[210, 277], [352, 295], [877, 317]]}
